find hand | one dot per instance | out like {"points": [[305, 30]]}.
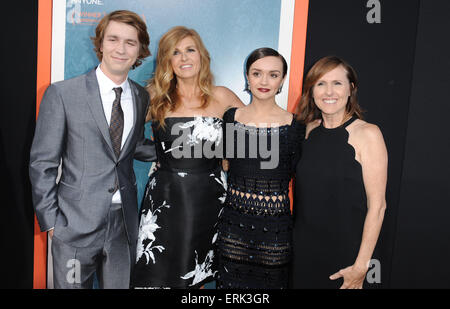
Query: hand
{"points": [[225, 165], [353, 277], [154, 168], [50, 233], [311, 126]]}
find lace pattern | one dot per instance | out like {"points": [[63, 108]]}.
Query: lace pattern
{"points": [[254, 250], [255, 227]]}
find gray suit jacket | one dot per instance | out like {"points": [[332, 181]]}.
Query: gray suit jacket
{"points": [[72, 126]]}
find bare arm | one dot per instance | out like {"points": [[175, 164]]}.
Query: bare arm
{"points": [[227, 98], [225, 165], [374, 162]]}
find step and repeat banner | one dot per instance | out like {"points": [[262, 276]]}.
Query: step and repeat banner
{"points": [[230, 30]]}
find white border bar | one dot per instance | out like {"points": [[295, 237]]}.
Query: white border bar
{"points": [[285, 45], [58, 40]]}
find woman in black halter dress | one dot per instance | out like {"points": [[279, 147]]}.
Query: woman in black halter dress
{"points": [[340, 183]]}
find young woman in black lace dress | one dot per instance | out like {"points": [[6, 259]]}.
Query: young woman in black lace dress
{"points": [[262, 146]]}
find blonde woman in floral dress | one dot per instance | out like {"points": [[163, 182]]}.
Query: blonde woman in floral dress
{"points": [[185, 195]]}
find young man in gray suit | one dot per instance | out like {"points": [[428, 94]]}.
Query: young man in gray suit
{"points": [[93, 124]]}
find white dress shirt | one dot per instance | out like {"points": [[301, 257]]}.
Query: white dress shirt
{"points": [[108, 96]]}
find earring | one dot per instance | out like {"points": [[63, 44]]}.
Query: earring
{"points": [[279, 89]]}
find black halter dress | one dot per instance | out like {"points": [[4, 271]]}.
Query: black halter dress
{"points": [[329, 209]]}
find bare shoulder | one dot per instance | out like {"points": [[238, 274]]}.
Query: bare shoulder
{"points": [[366, 129], [221, 90], [221, 93], [366, 133], [286, 116], [226, 97]]}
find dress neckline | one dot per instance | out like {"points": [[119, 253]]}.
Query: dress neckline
{"points": [[265, 128], [191, 117], [342, 126]]}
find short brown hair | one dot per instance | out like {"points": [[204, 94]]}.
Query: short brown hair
{"points": [[307, 110], [129, 18]]}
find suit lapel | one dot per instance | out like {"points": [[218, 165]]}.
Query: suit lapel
{"points": [[95, 104]]}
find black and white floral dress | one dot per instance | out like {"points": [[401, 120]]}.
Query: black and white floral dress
{"points": [[181, 205]]}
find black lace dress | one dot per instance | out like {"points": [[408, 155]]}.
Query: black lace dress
{"points": [[255, 227]]}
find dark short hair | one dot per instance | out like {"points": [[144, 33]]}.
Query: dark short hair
{"points": [[265, 52], [129, 18]]}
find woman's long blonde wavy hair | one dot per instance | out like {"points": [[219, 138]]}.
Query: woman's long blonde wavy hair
{"points": [[163, 85]]}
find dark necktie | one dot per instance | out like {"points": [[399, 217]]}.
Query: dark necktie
{"points": [[116, 123]]}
